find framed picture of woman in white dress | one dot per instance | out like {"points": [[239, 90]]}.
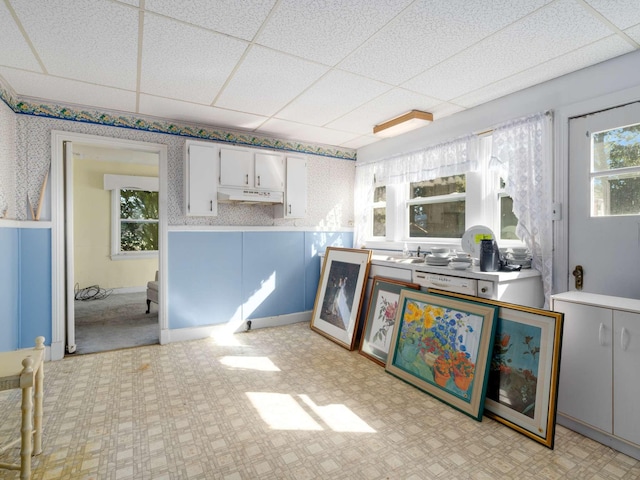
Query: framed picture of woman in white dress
{"points": [[340, 293]]}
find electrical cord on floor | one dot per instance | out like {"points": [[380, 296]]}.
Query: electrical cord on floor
{"points": [[94, 292]]}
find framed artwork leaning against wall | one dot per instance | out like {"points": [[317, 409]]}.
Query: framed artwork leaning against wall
{"points": [[381, 317], [343, 280], [524, 371]]}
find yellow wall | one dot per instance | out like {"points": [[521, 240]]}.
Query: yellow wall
{"points": [[92, 228]]}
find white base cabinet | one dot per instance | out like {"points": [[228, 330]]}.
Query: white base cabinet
{"points": [[599, 384]]}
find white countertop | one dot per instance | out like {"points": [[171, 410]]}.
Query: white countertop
{"points": [[472, 272]]}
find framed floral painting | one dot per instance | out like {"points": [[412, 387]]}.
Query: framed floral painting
{"points": [[340, 294], [523, 377], [443, 346], [381, 317]]}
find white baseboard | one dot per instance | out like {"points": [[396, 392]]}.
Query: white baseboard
{"points": [[196, 333], [128, 290], [56, 350]]}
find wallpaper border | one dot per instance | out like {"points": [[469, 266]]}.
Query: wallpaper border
{"points": [[118, 119]]}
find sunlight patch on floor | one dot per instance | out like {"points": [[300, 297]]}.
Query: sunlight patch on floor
{"points": [[282, 411], [263, 364]]}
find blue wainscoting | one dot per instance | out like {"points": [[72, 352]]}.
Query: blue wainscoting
{"points": [[25, 287], [272, 267], [231, 277], [205, 281], [35, 285], [9, 291]]}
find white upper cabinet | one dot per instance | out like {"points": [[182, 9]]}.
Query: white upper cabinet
{"points": [[243, 167], [269, 171], [201, 179], [236, 167], [295, 195]]}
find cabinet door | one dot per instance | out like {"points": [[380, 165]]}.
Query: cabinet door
{"points": [[296, 192], [269, 171], [201, 180], [236, 167], [626, 388], [585, 385]]}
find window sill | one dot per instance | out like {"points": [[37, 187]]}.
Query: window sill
{"points": [[134, 255]]}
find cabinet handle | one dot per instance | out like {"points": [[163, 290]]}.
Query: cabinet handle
{"points": [[601, 335], [289, 209], [211, 205], [624, 339], [483, 289], [258, 180], [246, 180]]}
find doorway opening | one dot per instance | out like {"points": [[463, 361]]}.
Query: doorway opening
{"points": [[108, 242]]}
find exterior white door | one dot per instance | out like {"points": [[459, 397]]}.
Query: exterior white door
{"points": [[604, 202]]}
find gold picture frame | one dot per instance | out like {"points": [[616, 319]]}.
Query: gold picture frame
{"points": [[523, 378]]}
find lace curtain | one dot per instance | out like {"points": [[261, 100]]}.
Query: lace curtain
{"points": [[450, 158], [522, 153]]}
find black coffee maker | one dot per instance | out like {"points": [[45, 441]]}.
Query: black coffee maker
{"points": [[489, 256]]}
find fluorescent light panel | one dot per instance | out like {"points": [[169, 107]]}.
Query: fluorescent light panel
{"points": [[404, 123]]}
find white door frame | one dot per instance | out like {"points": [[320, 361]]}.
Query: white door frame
{"points": [[561, 173], [58, 263]]}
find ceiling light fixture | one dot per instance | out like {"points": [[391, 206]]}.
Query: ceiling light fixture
{"points": [[404, 123]]}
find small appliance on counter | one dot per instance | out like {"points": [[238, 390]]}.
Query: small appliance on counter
{"points": [[489, 256]]}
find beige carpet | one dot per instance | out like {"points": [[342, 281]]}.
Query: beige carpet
{"points": [[114, 322]]}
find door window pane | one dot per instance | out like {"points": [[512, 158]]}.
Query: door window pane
{"points": [[615, 172]]}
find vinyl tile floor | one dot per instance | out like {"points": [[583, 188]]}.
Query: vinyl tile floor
{"points": [[275, 403]]}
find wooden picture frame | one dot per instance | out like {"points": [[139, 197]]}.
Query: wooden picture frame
{"points": [[525, 365], [443, 347], [381, 317], [340, 294]]}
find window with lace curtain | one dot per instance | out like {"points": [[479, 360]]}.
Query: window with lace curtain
{"points": [[444, 207]]}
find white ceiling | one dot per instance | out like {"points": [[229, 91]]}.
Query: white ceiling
{"points": [[317, 71]]}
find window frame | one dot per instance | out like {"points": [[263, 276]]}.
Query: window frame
{"points": [[482, 207], [116, 184]]}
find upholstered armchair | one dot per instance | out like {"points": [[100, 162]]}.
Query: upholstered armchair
{"points": [[152, 292]]}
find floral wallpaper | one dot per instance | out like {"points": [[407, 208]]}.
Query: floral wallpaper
{"points": [[330, 180], [7, 162]]}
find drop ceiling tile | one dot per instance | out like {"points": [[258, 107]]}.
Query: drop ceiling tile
{"points": [[600, 51], [267, 80], [240, 18], [622, 13], [305, 133], [15, 51], [445, 109], [59, 90], [326, 31], [429, 32], [522, 45], [331, 97], [200, 114], [185, 62], [360, 142], [385, 107], [634, 33], [89, 40]]}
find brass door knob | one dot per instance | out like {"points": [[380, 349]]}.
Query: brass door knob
{"points": [[578, 273]]}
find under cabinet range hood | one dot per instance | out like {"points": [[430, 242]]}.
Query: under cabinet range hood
{"points": [[249, 196]]}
